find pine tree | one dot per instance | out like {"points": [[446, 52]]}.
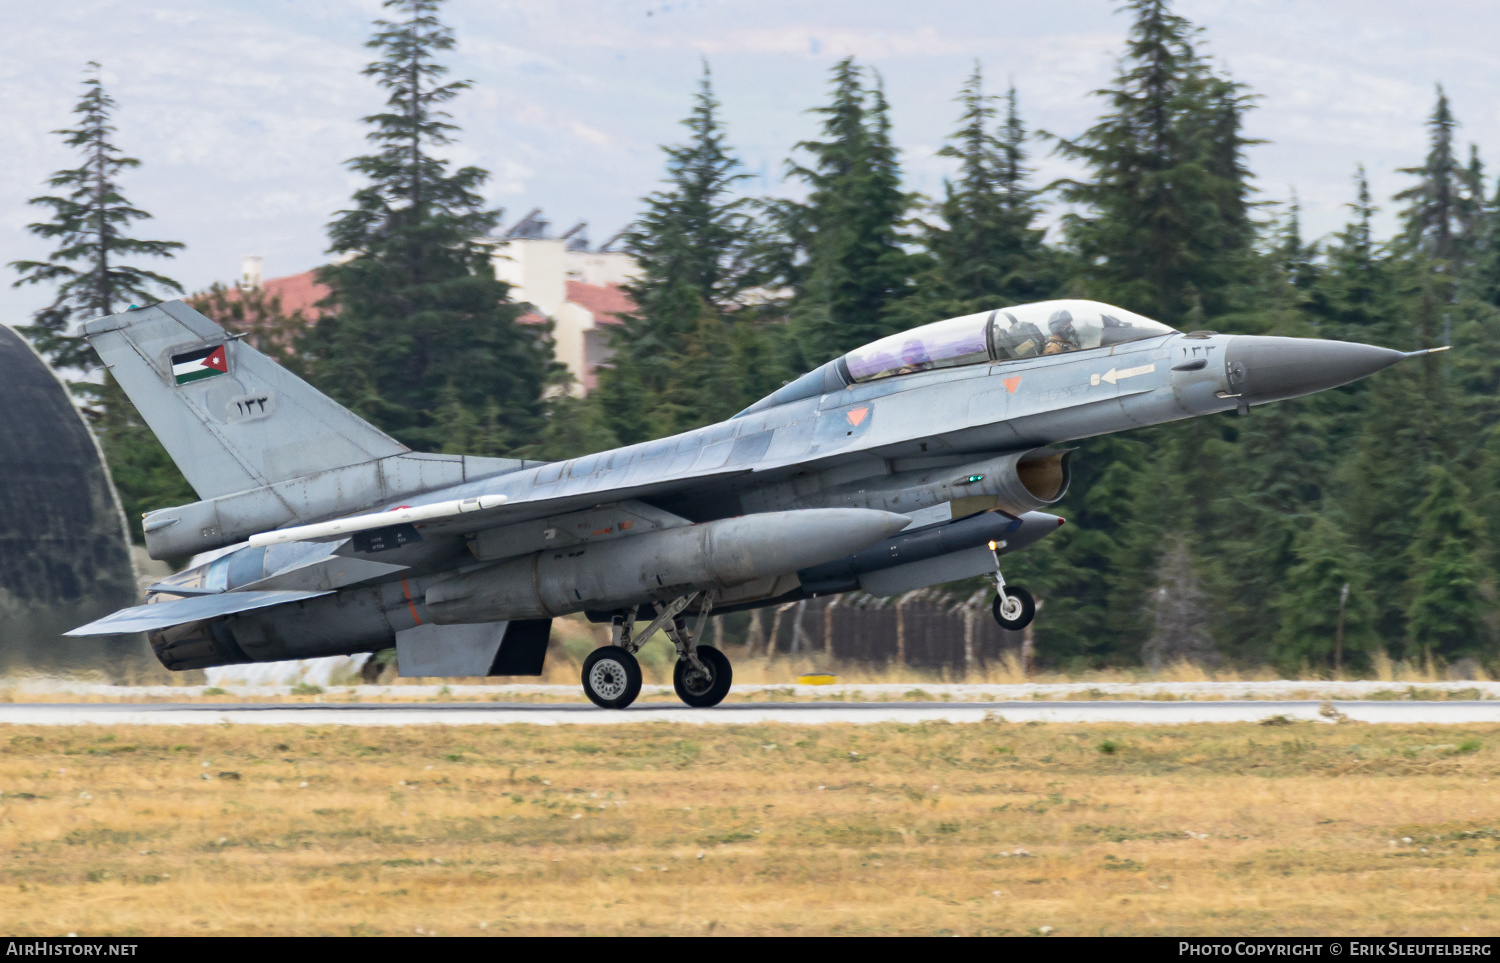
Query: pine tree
{"points": [[693, 235], [89, 223], [1431, 221], [420, 322], [694, 245], [1446, 611], [1473, 210], [1485, 279], [92, 270], [986, 252], [1298, 261], [1165, 214], [1356, 282], [1179, 614], [848, 264], [1326, 561]]}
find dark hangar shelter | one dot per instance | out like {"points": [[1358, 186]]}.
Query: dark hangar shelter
{"points": [[64, 557]]}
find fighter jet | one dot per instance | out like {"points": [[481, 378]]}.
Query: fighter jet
{"points": [[918, 459]]}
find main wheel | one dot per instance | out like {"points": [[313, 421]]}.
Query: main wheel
{"points": [[1017, 610], [611, 677], [697, 689]]}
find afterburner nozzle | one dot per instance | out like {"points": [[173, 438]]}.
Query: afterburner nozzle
{"points": [[1261, 369]]}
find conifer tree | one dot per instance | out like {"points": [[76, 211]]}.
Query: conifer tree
{"points": [[1432, 218], [1326, 562], [1298, 261], [1473, 209], [90, 224], [1446, 609], [1356, 281], [422, 329], [694, 246], [848, 265], [1486, 273], [94, 270], [1165, 216], [987, 251]]}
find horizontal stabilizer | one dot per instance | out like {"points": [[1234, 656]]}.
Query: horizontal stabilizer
{"points": [[159, 615]]}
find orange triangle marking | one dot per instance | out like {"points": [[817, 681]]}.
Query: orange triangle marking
{"points": [[857, 415], [1011, 384]]}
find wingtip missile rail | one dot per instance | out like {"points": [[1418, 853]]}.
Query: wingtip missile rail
{"points": [[402, 515]]}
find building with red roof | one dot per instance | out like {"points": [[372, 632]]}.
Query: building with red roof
{"points": [[581, 291]]}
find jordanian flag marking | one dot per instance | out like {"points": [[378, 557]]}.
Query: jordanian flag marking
{"points": [[197, 365]]}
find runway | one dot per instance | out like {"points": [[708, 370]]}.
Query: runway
{"points": [[796, 713]]}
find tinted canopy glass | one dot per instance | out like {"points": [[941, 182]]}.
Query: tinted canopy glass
{"points": [[1058, 327], [941, 344], [1024, 331]]}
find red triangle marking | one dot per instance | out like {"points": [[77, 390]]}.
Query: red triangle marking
{"points": [[857, 415], [1011, 384], [218, 361]]}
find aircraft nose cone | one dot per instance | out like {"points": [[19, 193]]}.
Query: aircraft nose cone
{"points": [[1264, 369]]}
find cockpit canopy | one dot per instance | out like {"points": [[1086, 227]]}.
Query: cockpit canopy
{"points": [[1009, 334]]}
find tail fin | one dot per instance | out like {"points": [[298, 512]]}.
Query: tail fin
{"points": [[231, 418]]}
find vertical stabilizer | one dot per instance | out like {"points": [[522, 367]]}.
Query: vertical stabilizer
{"points": [[231, 418]]}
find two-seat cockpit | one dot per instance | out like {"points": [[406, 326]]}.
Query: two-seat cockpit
{"points": [[1008, 334]]}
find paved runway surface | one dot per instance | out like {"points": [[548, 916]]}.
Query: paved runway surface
{"points": [[804, 713]]}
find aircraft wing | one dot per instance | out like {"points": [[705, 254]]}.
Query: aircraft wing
{"points": [[491, 509], [159, 615]]}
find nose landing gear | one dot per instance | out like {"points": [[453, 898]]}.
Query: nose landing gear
{"points": [[1013, 608]]}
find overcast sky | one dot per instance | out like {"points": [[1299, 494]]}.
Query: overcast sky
{"points": [[243, 111]]}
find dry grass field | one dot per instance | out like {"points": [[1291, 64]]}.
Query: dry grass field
{"points": [[656, 828]]}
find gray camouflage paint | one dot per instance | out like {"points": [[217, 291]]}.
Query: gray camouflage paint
{"points": [[980, 437]]}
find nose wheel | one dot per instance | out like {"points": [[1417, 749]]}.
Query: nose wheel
{"points": [[1013, 608]]}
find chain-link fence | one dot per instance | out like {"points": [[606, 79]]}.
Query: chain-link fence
{"points": [[929, 628]]}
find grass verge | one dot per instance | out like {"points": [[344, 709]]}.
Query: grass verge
{"points": [[659, 828]]}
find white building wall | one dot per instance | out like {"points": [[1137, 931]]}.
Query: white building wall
{"points": [[538, 271], [601, 267]]}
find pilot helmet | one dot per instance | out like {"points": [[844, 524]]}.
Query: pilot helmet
{"points": [[1061, 327], [913, 352]]}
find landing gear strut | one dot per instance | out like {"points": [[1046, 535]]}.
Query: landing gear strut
{"points": [[702, 676], [1013, 608]]}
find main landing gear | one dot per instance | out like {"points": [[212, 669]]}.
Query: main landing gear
{"points": [[1013, 608], [702, 676]]}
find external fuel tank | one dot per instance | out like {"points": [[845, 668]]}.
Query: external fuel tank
{"points": [[658, 565]]}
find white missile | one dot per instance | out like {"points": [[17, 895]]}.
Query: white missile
{"points": [[364, 523]]}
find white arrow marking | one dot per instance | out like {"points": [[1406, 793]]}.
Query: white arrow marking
{"points": [[1114, 375]]}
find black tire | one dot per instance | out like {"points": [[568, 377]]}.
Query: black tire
{"points": [[1028, 609], [611, 677], [696, 691]]}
